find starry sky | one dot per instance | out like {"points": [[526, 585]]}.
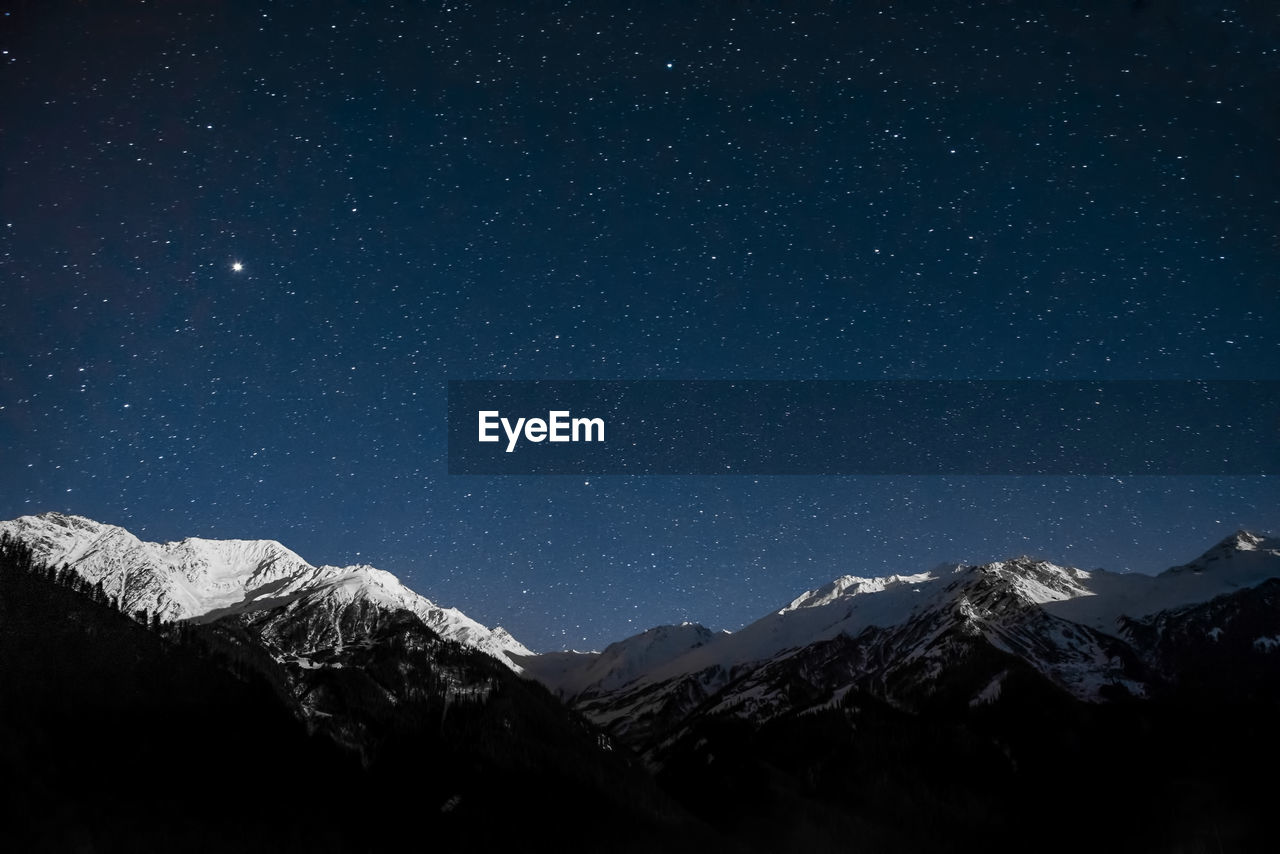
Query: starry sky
{"points": [[245, 245]]}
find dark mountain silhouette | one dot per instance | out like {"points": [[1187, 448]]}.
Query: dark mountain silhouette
{"points": [[1016, 706], [117, 736]]}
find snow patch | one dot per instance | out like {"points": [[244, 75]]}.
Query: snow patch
{"points": [[991, 693]]}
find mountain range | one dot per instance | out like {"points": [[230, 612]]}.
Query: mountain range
{"points": [[904, 637], [809, 718], [206, 580]]}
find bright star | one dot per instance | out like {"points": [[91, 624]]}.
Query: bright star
{"points": [[236, 266]]}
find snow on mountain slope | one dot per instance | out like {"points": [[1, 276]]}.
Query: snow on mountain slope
{"points": [[569, 674], [558, 670], [1239, 561], [177, 580], [1005, 604], [900, 635], [848, 604], [910, 629], [202, 579]]}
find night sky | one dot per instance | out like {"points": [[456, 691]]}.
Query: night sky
{"points": [[244, 245]]}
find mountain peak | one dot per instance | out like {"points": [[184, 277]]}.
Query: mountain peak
{"points": [[1240, 546], [1244, 540], [68, 521], [208, 579], [852, 585]]}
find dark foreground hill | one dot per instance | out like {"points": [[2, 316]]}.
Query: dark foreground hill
{"points": [[351, 726], [116, 736]]}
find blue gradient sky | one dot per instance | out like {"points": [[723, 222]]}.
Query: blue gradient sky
{"points": [[420, 192]]}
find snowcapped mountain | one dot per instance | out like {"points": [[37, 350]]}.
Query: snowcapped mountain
{"points": [[570, 674], [968, 695], [331, 722], [954, 633], [205, 580], [1240, 561], [912, 638]]}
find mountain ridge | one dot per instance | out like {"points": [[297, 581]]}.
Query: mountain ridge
{"points": [[905, 633], [904, 712], [206, 579]]}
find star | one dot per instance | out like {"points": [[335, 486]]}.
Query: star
{"points": [[237, 267]]}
